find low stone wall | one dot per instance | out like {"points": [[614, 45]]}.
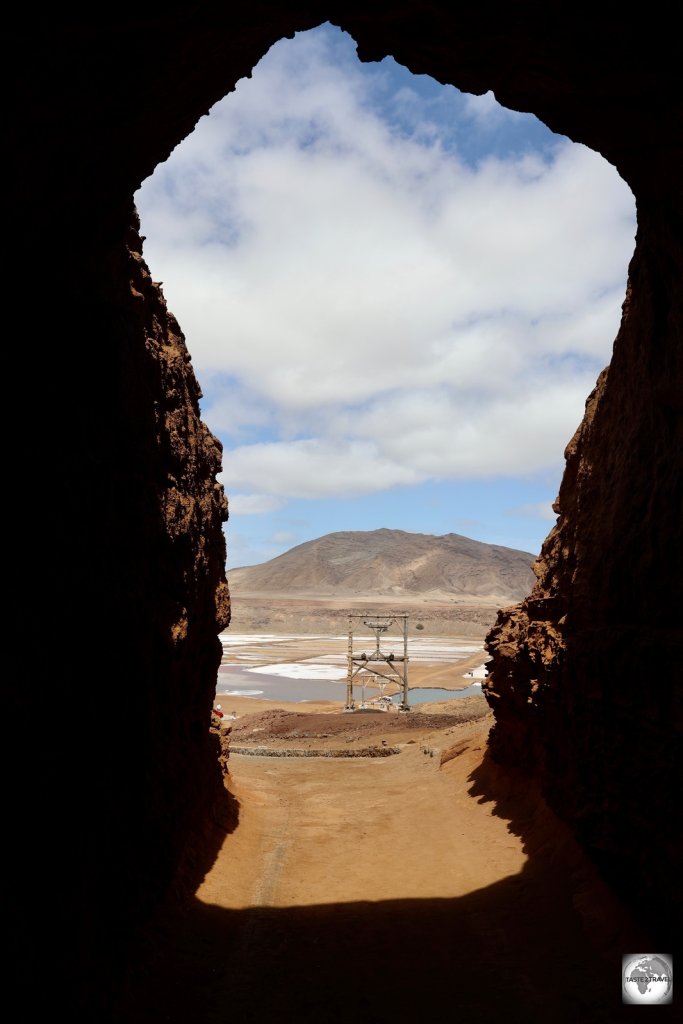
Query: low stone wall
{"points": [[290, 752]]}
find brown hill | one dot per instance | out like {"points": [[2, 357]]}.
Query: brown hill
{"points": [[391, 564]]}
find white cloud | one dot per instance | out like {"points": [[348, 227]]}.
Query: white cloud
{"points": [[315, 468], [535, 510], [252, 504], [486, 108], [286, 537], [245, 550], [439, 437], [364, 306]]}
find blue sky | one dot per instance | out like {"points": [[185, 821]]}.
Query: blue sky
{"points": [[397, 298]]}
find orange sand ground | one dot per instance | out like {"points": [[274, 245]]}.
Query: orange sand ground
{"points": [[421, 885]]}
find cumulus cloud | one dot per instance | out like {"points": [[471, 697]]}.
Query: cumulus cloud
{"points": [[284, 537], [315, 468], [253, 504], [486, 108], [535, 510], [366, 308]]}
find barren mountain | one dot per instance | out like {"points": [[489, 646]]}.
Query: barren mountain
{"points": [[391, 564]]}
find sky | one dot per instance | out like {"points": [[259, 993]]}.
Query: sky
{"points": [[397, 298]]}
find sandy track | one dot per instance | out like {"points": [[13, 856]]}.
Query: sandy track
{"points": [[388, 890], [361, 802]]}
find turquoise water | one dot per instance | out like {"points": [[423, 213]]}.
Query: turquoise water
{"points": [[238, 682], [427, 695]]}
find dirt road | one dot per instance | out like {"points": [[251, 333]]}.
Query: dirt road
{"points": [[391, 889]]}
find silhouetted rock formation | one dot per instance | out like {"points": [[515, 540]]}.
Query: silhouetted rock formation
{"points": [[115, 568]]}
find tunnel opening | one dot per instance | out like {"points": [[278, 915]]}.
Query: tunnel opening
{"points": [[263, 377], [135, 538], [295, 436]]}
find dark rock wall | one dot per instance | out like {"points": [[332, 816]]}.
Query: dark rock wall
{"points": [[116, 636], [114, 569], [585, 680]]}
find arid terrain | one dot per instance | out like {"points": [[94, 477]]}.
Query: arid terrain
{"points": [[381, 868], [313, 614], [450, 585], [392, 564]]}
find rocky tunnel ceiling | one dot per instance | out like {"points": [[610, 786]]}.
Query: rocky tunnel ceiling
{"points": [[117, 580]]}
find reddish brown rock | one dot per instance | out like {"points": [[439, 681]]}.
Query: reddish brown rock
{"points": [[585, 677]]}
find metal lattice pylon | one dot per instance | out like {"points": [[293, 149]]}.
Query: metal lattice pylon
{"points": [[382, 665]]}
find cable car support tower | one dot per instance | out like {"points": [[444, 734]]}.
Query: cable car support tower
{"points": [[382, 665]]}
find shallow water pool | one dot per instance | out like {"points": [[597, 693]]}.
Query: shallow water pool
{"points": [[239, 682]]}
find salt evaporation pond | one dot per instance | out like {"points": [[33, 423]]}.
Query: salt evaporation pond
{"points": [[234, 681]]}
